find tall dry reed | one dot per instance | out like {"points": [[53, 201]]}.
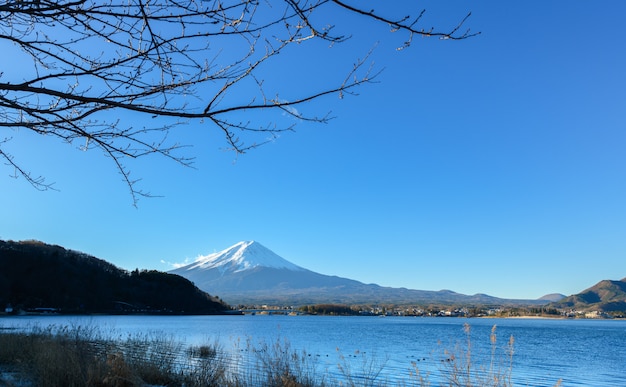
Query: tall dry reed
{"points": [[82, 356]]}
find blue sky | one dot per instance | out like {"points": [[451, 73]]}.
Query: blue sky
{"points": [[492, 165]]}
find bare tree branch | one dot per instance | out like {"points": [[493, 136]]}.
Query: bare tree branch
{"points": [[174, 61]]}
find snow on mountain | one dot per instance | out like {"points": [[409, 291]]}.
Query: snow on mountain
{"points": [[249, 273], [242, 256]]}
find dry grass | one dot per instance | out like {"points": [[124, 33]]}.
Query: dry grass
{"points": [[78, 356], [461, 369]]}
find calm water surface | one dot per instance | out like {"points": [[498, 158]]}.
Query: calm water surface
{"points": [[587, 353]]}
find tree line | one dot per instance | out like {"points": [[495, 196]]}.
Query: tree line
{"points": [[37, 275]]}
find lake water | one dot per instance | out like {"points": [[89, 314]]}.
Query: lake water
{"points": [[579, 352]]}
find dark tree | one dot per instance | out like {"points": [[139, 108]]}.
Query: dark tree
{"points": [[35, 275], [85, 66]]}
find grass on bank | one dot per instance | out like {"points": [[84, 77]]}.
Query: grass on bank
{"points": [[83, 356]]}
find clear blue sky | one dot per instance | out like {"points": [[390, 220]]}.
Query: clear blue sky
{"points": [[493, 165]]}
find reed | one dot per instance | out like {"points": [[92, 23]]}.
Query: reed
{"points": [[464, 368], [83, 356]]}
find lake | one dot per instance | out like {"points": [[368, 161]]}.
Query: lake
{"points": [[579, 352]]}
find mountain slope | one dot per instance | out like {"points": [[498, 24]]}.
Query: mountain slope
{"points": [[243, 256], [552, 297], [249, 273], [37, 275], [606, 296]]}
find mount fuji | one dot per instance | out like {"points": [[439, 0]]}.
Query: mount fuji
{"points": [[250, 273], [241, 257]]}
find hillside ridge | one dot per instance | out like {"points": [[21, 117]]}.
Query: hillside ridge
{"points": [[605, 296], [38, 276]]}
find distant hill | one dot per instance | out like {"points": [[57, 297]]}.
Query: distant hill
{"points": [[605, 296], [249, 273], [36, 275], [553, 297]]}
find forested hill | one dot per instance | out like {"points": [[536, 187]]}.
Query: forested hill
{"points": [[37, 275], [605, 296]]}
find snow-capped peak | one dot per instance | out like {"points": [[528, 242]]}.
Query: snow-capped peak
{"points": [[243, 256]]}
